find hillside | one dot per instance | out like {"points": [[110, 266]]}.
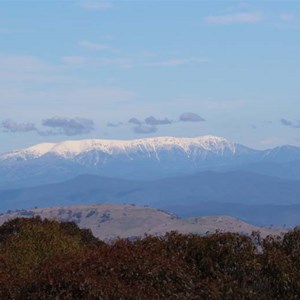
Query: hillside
{"points": [[110, 221]]}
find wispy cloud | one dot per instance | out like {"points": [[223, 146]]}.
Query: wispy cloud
{"points": [[96, 62], [80, 99], [28, 63], [12, 126], [287, 20], [151, 124], [135, 121], [289, 123], [57, 125], [66, 126], [94, 46], [190, 117], [26, 68], [147, 126], [125, 62], [96, 5], [144, 129], [236, 18], [176, 62], [154, 121]]}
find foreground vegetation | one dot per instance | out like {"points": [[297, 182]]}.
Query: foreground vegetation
{"points": [[43, 259]]}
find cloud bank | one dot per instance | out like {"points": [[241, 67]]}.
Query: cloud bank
{"points": [[55, 125], [81, 126], [190, 117], [154, 121], [151, 123], [134, 121], [65, 126], [12, 126], [143, 129]]}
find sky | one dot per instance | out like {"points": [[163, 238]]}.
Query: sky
{"points": [[136, 69]]}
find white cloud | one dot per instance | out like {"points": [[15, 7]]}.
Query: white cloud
{"points": [[88, 102], [96, 5], [237, 18], [94, 46], [32, 86]]}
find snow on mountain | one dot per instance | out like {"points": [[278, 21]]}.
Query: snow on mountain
{"points": [[148, 158], [71, 149], [31, 152]]}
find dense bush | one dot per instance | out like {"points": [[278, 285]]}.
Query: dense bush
{"points": [[43, 259]]}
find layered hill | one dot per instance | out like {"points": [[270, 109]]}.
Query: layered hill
{"points": [[257, 199]]}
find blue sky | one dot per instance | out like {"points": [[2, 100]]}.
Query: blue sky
{"points": [[95, 69]]}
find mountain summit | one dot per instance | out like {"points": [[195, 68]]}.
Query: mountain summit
{"points": [[70, 149], [147, 158]]}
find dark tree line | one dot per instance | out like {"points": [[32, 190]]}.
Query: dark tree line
{"points": [[45, 259]]}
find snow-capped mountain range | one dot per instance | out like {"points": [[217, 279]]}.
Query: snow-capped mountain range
{"points": [[71, 149], [138, 159]]}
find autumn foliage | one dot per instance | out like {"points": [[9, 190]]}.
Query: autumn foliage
{"points": [[44, 259]]}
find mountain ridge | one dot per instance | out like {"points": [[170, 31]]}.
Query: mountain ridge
{"points": [[72, 148], [150, 158], [216, 144]]}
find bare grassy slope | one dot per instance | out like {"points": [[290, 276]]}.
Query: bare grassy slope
{"points": [[108, 221]]}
